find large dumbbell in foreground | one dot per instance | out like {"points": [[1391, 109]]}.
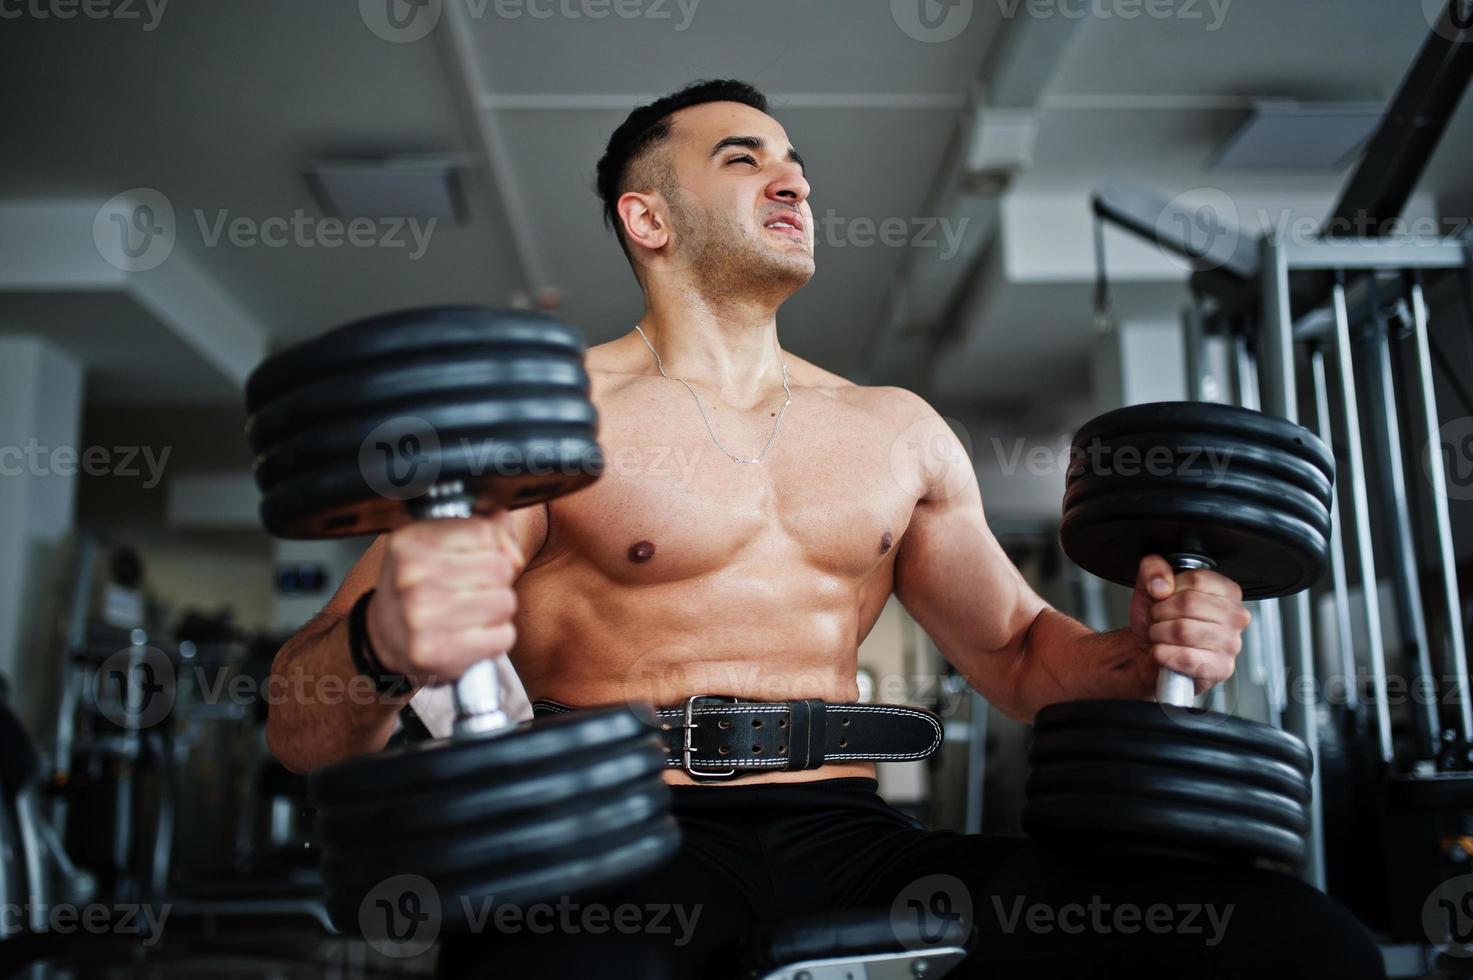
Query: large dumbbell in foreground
{"points": [[441, 414], [1207, 486]]}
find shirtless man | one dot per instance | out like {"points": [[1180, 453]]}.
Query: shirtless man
{"points": [[754, 568]]}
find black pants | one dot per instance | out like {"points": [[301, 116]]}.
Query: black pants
{"points": [[769, 853]]}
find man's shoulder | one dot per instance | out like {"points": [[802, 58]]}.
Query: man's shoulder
{"points": [[892, 403]]}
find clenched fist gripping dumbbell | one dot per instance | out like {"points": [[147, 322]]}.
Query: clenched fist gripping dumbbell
{"points": [[438, 415]]}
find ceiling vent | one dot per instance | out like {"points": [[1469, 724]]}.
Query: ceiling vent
{"points": [[390, 187], [1299, 136]]}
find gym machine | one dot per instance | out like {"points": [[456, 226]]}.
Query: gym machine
{"points": [[1338, 332]]}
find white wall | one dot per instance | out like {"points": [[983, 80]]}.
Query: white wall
{"points": [[40, 428]]}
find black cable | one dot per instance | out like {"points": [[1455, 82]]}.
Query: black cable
{"points": [[1442, 359]]}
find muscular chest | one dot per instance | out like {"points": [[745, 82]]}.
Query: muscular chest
{"points": [[671, 505]]}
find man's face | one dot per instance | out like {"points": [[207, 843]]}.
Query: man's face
{"points": [[739, 213]]}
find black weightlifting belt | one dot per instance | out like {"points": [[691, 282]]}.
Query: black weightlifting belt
{"points": [[716, 737]]}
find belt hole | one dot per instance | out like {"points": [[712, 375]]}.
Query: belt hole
{"points": [[782, 723], [845, 723], [843, 743], [724, 750], [756, 722], [756, 750], [782, 750], [723, 724]]}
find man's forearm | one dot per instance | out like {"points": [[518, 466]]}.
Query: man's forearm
{"points": [[1064, 660], [324, 710]]}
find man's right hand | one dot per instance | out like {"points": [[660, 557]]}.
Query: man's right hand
{"points": [[444, 597]]}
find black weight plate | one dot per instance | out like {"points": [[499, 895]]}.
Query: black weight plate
{"points": [[456, 804], [502, 880], [1243, 487], [393, 337], [579, 870], [1142, 782], [1242, 424], [1199, 724], [396, 389], [510, 840], [1268, 553], [1447, 792], [1182, 755], [337, 503], [1194, 452], [479, 422], [426, 766], [1095, 821]]}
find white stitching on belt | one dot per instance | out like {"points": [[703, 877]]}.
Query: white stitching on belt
{"points": [[736, 709]]}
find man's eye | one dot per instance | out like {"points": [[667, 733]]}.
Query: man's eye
{"points": [[744, 158]]}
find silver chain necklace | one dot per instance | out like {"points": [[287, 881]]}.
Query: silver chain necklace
{"points": [[775, 426]]}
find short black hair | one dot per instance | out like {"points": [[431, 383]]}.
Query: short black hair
{"points": [[648, 126]]}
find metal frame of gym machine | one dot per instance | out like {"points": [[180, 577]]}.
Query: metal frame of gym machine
{"points": [[1292, 310]]}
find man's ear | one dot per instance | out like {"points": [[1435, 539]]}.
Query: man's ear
{"points": [[645, 224]]}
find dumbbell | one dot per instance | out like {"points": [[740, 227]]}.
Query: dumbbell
{"points": [[443, 413], [1208, 487]]}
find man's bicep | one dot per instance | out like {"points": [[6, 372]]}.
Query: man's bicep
{"points": [[955, 578]]}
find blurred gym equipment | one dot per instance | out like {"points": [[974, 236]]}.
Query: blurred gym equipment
{"points": [[1338, 331]]}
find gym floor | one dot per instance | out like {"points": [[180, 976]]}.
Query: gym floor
{"points": [[1028, 214]]}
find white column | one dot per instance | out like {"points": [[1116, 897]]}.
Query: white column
{"points": [[40, 454], [1139, 361]]}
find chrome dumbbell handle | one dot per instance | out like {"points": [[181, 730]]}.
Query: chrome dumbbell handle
{"points": [[1171, 687]]}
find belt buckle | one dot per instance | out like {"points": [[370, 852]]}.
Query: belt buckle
{"points": [[689, 727]]}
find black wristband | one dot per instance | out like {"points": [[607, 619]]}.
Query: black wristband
{"points": [[360, 649]]}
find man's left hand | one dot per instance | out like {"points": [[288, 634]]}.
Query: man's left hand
{"points": [[1190, 621]]}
